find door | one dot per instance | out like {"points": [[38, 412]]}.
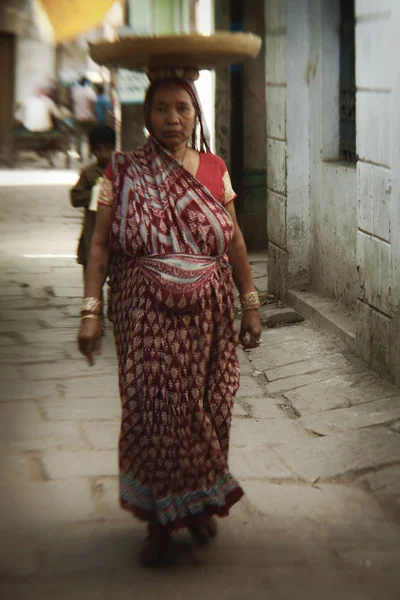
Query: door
{"points": [[7, 78]]}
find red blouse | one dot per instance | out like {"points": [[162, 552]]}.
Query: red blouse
{"points": [[211, 172]]}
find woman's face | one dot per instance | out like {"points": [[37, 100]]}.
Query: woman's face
{"points": [[172, 116]]}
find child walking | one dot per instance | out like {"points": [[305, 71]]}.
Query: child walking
{"points": [[102, 145]]}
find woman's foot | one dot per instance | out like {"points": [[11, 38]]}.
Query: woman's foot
{"points": [[204, 531], [154, 552]]}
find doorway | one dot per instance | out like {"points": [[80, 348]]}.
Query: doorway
{"points": [[7, 78]]}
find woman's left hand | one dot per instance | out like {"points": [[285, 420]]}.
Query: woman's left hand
{"points": [[250, 329]]}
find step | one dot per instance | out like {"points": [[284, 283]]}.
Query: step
{"points": [[326, 313]]}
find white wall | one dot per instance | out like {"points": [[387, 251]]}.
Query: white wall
{"points": [[378, 249], [341, 223], [276, 12], [35, 50], [298, 121], [333, 185]]}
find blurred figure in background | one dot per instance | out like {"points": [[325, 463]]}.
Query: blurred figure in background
{"points": [[83, 103], [103, 107], [102, 145], [38, 113]]}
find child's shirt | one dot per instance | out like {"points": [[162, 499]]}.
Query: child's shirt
{"points": [[80, 196]]}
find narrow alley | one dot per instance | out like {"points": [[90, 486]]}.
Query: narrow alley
{"points": [[315, 441]]}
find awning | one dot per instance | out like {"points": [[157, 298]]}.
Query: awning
{"points": [[70, 18]]}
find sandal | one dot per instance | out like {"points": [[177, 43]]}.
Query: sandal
{"points": [[204, 531], [153, 553]]}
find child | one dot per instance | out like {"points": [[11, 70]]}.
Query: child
{"points": [[102, 145]]}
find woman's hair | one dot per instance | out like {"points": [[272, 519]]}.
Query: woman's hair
{"points": [[102, 135], [202, 144]]}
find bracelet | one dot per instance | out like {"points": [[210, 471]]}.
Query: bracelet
{"points": [[250, 301], [90, 317], [91, 305]]}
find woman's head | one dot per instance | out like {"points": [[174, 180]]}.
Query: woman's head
{"points": [[172, 111]]}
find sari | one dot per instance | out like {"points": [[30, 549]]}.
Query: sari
{"points": [[172, 301]]}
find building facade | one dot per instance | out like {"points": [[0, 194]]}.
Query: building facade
{"points": [[28, 58], [333, 161], [240, 121]]}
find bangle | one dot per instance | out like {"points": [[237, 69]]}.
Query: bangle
{"points": [[91, 305], [250, 301], [90, 317]]}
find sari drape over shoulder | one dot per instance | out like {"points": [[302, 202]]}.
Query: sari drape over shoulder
{"points": [[173, 313]]}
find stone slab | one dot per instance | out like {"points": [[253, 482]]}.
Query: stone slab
{"points": [[9, 372], [295, 501], [356, 417], [22, 325], [372, 545], [263, 408], [341, 454], [65, 368], [28, 354], [36, 507], [78, 407], [250, 388], [264, 541], [271, 431], [240, 411], [22, 427], [317, 397], [106, 491], [102, 435], [89, 463], [332, 582], [257, 460], [341, 391], [385, 485], [246, 368], [270, 355], [92, 386], [280, 386], [302, 332], [312, 366], [49, 336], [276, 316], [396, 427], [34, 315], [26, 390], [261, 283]]}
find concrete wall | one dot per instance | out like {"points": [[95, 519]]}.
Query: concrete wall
{"points": [[378, 249], [333, 225], [333, 185], [276, 12]]}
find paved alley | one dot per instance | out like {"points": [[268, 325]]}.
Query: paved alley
{"points": [[315, 441]]}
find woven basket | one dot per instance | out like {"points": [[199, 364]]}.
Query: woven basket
{"points": [[144, 53]]}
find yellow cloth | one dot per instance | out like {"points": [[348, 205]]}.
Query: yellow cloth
{"points": [[69, 18]]}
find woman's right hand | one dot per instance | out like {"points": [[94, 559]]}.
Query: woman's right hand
{"points": [[89, 337]]}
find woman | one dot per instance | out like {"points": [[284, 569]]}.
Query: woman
{"points": [[166, 219]]}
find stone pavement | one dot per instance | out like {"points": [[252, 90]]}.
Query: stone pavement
{"points": [[315, 441]]}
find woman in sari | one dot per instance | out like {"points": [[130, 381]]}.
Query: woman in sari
{"points": [[166, 223]]}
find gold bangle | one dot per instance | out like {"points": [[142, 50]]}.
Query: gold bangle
{"points": [[250, 301], [91, 305], [90, 317]]}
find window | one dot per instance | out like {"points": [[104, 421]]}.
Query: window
{"points": [[347, 82]]}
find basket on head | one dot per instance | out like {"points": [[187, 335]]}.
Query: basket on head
{"points": [[190, 51]]}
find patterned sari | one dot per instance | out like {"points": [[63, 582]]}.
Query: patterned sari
{"points": [[173, 310]]}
